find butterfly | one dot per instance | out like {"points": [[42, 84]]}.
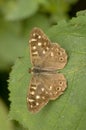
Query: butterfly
{"points": [[46, 84]]}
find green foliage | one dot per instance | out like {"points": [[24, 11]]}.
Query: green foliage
{"points": [[14, 38], [11, 43], [18, 17], [69, 111], [20, 9], [58, 8]]}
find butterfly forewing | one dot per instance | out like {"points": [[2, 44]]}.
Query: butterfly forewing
{"points": [[43, 53], [46, 58], [39, 46]]}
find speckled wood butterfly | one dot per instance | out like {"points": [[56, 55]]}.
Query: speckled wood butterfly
{"points": [[46, 83]]}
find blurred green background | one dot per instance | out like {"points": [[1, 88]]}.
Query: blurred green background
{"points": [[17, 18]]}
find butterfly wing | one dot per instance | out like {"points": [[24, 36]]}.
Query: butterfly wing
{"points": [[43, 88], [39, 46], [44, 54], [55, 84], [55, 59], [37, 94]]}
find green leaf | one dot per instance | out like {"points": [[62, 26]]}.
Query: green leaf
{"points": [[20, 9], [5, 123], [69, 111], [12, 43], [58, 8]]}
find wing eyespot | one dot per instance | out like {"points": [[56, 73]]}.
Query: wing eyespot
{"points": [[58, 88], [59, 53], [61, 59], [60, 83]]}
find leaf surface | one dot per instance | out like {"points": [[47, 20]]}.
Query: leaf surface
{"points": [[20, 9], [68, 112]]}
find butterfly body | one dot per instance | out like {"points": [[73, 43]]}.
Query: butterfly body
{"points": [[46, 84], [38, 70]]}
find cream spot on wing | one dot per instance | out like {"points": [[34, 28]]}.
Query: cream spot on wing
{"points": [[37, 97], [32, 40], [37, 103], [39, 43], [33, 87], [46, 92], [39, 37], [34, 34], [43, 51], [30, 100], [35, 52], [42, 89], [31, 106], [32, 93], [55, 93], [44, 43], [50, 88], [43, 97], [47, 48], [52, 54], [34, 47], [27, 99]]}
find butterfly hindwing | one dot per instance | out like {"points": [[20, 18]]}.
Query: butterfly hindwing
{"points": [[38, 95], [44, 88], [55, 84]]}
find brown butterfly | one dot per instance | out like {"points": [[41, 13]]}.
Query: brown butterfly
{"points": [[46, 84]]}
